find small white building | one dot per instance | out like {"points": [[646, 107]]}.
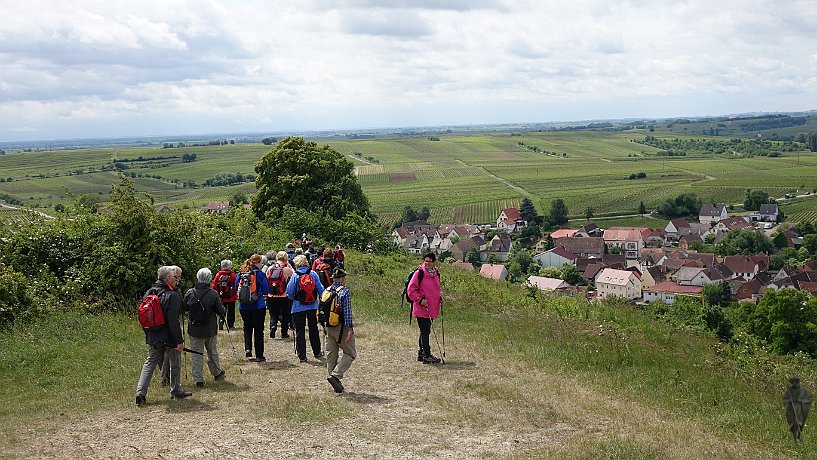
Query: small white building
{"points": [[622, 283]]}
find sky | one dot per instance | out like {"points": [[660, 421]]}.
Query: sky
{"points": [[108, 68]]}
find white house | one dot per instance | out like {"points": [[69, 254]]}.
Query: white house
{"points": [[510, 220], [556, 257], [622, 283], [712, 212], [549, 284], [628, 239], [668, 291]]}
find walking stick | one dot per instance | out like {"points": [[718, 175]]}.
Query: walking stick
{"points": [[442, 326], [235, 353]]}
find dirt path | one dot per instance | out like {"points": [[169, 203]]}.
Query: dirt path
{"points": [[476, 405]]}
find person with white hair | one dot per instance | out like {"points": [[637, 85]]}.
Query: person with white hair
{"points": [[224, 285], [204, 305], [164, 339]]}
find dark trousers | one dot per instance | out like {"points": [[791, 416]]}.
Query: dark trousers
{"points": [[301, 319], [230, 307], [424, 347], [279, 309], [254, 328]]}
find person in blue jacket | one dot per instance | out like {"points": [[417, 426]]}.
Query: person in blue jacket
{"points": [[252, 306], [305, 295]]}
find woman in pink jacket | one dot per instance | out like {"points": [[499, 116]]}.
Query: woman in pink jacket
{"points": [[426, 297]]}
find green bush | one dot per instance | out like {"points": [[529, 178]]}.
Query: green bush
{"points": [[16, 302]]}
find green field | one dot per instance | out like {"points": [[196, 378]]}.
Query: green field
{"points": [[461, 177]]}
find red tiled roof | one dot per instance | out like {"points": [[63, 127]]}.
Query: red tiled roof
{"points": [[673, 288], [512, 214]]}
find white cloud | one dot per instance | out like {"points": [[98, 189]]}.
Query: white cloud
{"points": [[92, 66]]}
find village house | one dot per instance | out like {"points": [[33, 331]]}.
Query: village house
{"points": [[399, 235], [733, 223], [768, 212], [494, 271], [555, 258], [622, 283], [500, 246], [629, 240], [589, 230], [563, 233], [691, 276], [163, 209], [668, 292], [216, 207], [742, 266], [510, 220], [460, 250], [673, 228], [711, 213], [467, 266], [591, 247], [419, 226], [551, 285]]}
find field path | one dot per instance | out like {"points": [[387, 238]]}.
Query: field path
{"points": [[494, 176], [477, 405]]}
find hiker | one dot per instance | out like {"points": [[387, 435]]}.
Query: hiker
{"points": [[278, 303], [342, 336], [166, 339], [324, 266], [339, 257], [224, 285], [290, 250], [304, 294], [427, 300], [204, 304], [797, 403], [251, 305], [164, 365]]}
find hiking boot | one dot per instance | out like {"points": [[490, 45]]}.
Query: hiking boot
{"points": [[220, 375], [420, 356], [319, 355], [141, 400], [430, 359], [183, 394], [335, 382], [284, 335], [199, 384], [248, 354], [303, 360], [260, 359], [272, 333]]}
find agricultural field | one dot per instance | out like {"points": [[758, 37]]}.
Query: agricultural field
{"points": [[460, 177], [801, 209]]}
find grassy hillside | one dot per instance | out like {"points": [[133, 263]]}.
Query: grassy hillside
{"points": [[555, 378]]}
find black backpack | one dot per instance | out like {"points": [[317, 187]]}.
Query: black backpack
{"points": [[406, 285], [198, 314]]}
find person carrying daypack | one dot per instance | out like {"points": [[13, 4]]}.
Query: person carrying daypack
{"points": [[166, 338], [325, 266], [427, 300], [251, 285], [278, 303], [224, 285], [304, 289], [341, 336], [204, 305]]}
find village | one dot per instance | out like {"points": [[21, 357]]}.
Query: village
{"points": [[637, 263]]}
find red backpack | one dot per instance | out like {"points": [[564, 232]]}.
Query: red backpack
{"points": [[325, 273], [307, 292], [275, 277], [151, 314], [224, 286]]}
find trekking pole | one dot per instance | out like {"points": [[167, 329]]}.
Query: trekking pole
{"points": [[442, 326], [434, 333], [235, 353]]}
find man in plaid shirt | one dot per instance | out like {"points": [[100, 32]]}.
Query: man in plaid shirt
{"points": [[342, 336]]}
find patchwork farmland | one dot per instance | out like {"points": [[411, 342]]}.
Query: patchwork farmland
{"points": [[461, 178]]}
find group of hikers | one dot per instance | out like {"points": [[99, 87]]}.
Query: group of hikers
{"points": [[300, 286]]}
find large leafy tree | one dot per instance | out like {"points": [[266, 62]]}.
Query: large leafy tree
{"points": [[788, 320], [302, 175]]}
